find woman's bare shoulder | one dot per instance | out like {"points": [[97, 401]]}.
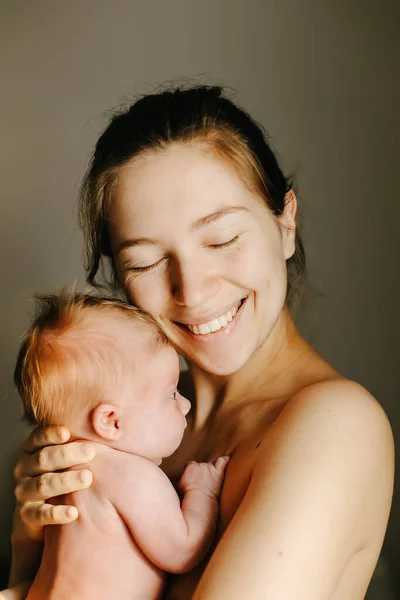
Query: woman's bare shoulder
{"points": [[338, 397], [338, 427], [338, 406]]}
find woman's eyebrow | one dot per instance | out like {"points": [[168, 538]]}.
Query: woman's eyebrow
{"points": [[217, 214], [134, 242]]}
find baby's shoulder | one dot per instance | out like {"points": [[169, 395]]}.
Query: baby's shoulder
{"points": [[117, 466]]}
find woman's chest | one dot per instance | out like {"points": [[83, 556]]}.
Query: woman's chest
{"points": [[243, 450], [236, 482]]}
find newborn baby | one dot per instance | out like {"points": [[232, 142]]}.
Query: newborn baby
{"points": [[108, 372]]}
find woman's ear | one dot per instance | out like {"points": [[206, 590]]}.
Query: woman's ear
{"points": [[288, 224], [107, 421]]}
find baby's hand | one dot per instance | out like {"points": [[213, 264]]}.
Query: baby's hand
{"points": [[207, 477]]}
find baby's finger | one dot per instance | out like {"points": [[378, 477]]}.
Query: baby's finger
{"points": [[39, 438], [49, 485], [221, 463], [55, 458], [36, 514]]}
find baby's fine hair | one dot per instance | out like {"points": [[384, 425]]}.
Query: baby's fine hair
{"points": [[62, 354]]}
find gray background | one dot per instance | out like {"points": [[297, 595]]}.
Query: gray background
{"points": [[322, 77]]}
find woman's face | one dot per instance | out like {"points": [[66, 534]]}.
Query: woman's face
{"points": [[200, 253]]}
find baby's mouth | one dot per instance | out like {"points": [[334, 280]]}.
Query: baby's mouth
{"points": [[216, 324]]}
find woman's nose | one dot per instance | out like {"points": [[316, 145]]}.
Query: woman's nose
{"points": [[193, 285]]}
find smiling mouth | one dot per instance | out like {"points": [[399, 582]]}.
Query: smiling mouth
{"points": [[216, 324]]}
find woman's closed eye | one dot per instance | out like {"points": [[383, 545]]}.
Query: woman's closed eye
{"points": [[138, 268], [230, 242], [142, 268]]}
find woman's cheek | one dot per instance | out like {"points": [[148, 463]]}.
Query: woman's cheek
{"points": [[254, 265], [147, 292]]}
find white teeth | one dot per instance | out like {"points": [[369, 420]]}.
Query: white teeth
{"points": [[215, 324], [224, 321], [204, 328]]}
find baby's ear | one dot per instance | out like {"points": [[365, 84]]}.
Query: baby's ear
{"points": [[107, 421]]}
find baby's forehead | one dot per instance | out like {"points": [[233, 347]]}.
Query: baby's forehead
{"points": [[135, 343], [120, 328]]}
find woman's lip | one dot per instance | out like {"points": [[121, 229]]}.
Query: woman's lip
{"points": [[223, 331], [208, 317]]}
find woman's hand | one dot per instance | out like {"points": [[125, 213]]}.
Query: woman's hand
{"points": [[18, 592], [37, 475], [38, 478]]}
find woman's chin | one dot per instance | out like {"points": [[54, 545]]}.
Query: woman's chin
{"points": [[221, 365], [221, 352]]}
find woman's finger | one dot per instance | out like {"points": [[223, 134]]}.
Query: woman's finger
{"points": [[39, 514], [47, 436], [54, 458], [19, 592], [48, 485]]}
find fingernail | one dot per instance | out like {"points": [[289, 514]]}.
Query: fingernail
{"points": [[71, 512]]}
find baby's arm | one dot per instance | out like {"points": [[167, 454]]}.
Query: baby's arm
{"points": [[173, 537]]}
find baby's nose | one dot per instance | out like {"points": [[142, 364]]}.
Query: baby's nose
{"points": [[184, 404]]}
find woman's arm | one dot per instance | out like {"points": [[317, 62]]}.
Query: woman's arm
{"points": [[45, 451], [320, 492]]}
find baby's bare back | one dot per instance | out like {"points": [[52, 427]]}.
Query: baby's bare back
{"points": [[96, 556]]}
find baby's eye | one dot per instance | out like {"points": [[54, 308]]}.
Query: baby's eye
{"points": [[174, 394]]}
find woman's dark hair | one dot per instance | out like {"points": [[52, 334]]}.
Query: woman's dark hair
{"points": [[201, 115]]}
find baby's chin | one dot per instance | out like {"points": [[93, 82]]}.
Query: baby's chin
{"points": [[170, 449]]}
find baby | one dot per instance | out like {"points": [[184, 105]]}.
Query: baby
{"points": [[108, 372]]}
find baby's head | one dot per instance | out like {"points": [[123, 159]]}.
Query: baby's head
{"points": [[106, 371]]}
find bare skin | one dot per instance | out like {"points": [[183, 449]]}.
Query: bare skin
{"points": [[132, 525], [244, 431], [307, 493], [131, 528]]}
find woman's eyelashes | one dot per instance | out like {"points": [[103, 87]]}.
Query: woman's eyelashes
{"points": [[146, 268], [224, 244], [143, 269]]}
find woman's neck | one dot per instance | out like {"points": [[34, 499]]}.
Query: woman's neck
{"points": [[271, 373]]}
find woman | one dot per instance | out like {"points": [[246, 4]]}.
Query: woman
{"points": [[186, 203]]}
